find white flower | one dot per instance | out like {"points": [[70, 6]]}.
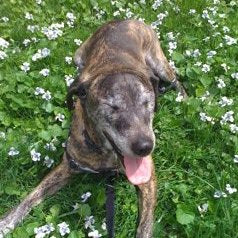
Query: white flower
{"points": [[225, 102], [63, 228], [234, 75], [205, 96], [229, 40], [219, 194], [45, 72], [48, 162], [179, 97], [68, 79], [206, 68], [233, 3], [5, 19], [68, 59], [41, 53], [2, 135], [94, 234], [225, 67], [25, 67], [188, 53], [47, 95], [104, 226], [221, 83], [43, 231], [205, 14], [196, 53], [173, 45], [206, 39], [3, 55], [230, 190], [233, 128], [13, 151], [89, 221], [205, 118], [29, 16], [227, 117], [32, 28], [211, 53], [39, 91], [192, 11], [53, 31], [70, 16], [34, 39], [39, 2], [26, 42], [170, 36], [236, 159], [50, 146], [156, 4], [160, 17], [35, 156], [198, 64], [3, 43], [116, 13], [203, 208], [85, 196], [225, 29], [77, 41], [59, 117], [44, 52], [76, 206]]}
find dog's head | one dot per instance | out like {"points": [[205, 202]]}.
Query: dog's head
{"points": [[121, 106]]}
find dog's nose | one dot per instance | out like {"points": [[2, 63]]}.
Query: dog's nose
{"points": [[142, 146]]}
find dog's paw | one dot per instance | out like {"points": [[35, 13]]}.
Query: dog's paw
{"points": [[5, 227]]}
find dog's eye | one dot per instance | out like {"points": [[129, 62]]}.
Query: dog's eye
{"points": [[82, 92], [115, 107]]}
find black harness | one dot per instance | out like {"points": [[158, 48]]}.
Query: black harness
{"points": [[109, 174]]}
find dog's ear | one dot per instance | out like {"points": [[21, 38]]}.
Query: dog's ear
{"points": [[78, 89]]}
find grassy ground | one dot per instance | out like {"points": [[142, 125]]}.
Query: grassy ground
{"points": [[194, 153]]}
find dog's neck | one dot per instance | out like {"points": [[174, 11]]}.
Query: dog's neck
{"points": [[86, 146]]}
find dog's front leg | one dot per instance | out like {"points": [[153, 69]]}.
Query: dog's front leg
{"points": [[147, 201], [55, 180]]}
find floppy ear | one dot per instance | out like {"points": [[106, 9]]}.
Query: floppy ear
{"points": [[78, 89]]}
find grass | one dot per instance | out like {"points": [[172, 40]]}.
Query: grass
{"points": [[193, 158]]}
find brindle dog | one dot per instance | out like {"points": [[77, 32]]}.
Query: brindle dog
{"points": [[120, 66]]}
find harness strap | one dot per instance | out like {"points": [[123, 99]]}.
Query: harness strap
{"points": [[110, 204]]}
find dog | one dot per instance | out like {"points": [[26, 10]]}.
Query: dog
{"points": [[121, 68]]}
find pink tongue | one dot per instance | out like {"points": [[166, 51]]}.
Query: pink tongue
{"points": [[138, 170]]}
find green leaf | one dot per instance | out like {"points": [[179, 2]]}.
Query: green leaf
{"points": [[192, 72], [45, 135], [30, 227], [178, 57], [183, 215], [76, 234], [101, 198], [84, 210], [55, 210], [206, 80], [20, 232], [12, 189]]}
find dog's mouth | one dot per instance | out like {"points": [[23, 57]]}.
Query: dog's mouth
{"points": [[138, 169]]}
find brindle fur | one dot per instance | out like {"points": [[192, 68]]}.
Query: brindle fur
{"points": [[120, 66]]}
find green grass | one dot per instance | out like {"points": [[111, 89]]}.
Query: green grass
{"points": [[193, 158]]}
